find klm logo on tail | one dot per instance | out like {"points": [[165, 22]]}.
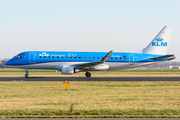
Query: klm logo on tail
{"points": [[159, 42]]}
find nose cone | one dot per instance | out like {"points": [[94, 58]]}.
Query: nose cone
{"points": [[8, 62]]}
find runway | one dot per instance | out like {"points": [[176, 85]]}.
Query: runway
{"points": [[90, 79], [91, 118]]}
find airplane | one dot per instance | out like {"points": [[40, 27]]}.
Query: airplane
{"points": [[74, 62], [174, 67]]}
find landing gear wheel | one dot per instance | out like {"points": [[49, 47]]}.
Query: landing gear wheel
{"points": [[88, 74], [26, 75]]}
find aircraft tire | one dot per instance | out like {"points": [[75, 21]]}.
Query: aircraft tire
{"points": [[26, 75], [88, 74]]}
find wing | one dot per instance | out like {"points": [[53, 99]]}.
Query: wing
{"points": [[106, 58]]}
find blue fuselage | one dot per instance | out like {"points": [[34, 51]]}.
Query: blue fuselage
{"points": [[49, 60]]}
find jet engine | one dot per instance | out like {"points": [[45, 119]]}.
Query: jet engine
{"points": [[69, 70]]}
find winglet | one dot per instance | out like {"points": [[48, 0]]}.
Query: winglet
{"points": [[106, 58]]}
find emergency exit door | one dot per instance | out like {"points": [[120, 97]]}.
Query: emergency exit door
{"points": [[32, 57], [131, 59]]}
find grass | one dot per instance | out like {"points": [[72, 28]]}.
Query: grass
{"points": [[90, 99]]}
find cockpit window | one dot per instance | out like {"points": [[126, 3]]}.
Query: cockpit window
{"points": [[18, 56]]}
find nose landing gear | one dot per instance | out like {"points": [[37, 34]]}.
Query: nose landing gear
{"points": [[26, 75], [88, 74]]}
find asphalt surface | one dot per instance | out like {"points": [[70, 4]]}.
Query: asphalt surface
{"points": [[90, 79], [90, 118]]}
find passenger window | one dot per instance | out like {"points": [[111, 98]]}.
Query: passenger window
{"points": [[53, 57], [88, 57], [79, 57], [115, 57], [120, 58], [75, 57], [66, 57], [44, 56], [93, 57], [48, 56], [84, 57], [70, 57], [39, 56], [57, 56], [111, 57], [97, 57], [61, 56]]}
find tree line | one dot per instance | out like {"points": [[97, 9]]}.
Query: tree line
{"points": [[3, 62]]}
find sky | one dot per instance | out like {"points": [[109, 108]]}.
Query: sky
{"points": [[85, 25]]}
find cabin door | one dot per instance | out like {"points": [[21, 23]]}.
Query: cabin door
{"points": [[32, 57], [131, 59]]}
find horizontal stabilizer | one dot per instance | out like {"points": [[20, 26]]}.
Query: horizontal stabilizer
{"points": [[169, 57]]}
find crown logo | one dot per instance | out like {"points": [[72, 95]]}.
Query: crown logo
{"points": [[159, 39]]}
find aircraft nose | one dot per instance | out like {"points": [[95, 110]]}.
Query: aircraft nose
{"points": [[8, 62]]}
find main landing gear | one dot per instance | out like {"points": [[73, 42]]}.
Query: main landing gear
{"points": [[88, 74], [26, 75]]}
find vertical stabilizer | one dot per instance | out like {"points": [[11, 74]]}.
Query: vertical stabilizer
{"points": [[160, 43]]}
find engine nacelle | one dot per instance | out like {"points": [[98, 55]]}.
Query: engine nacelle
{"points": [[69, 70]]}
